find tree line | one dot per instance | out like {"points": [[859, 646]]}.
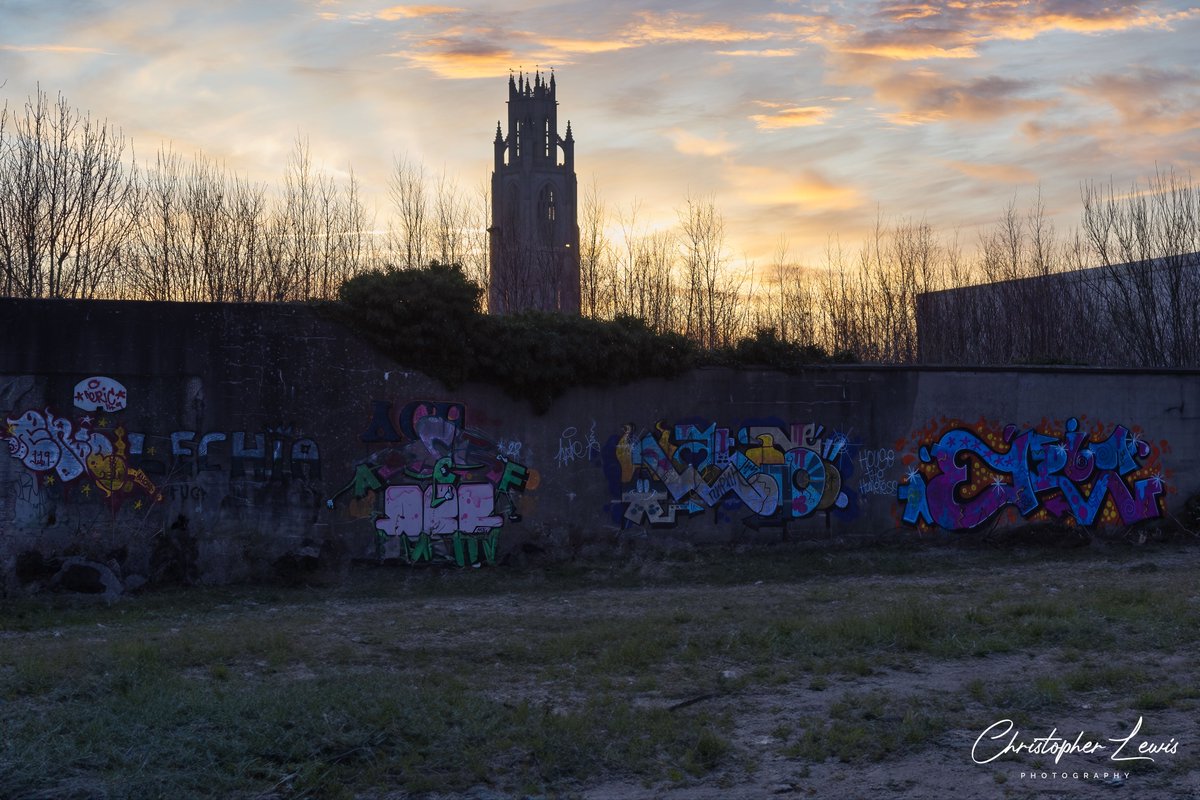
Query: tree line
{"points": [[81, 218]]}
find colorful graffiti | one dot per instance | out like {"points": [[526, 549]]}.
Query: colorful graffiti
{"points": [[683, 470], [970, 473], [118, 462], [46, 443], [446, 489]]}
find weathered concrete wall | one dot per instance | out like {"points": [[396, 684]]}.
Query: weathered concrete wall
{"points": [[214, 442]]}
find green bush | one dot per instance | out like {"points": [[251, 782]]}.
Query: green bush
{"points": [[430, 319], [423, 318], [765, 348]]}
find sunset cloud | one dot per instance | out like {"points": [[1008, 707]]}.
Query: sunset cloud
{"points": [[809, 190], [784, 116], [1026, 20], [586, 45], [474, 49], [923, 96], [911, 43], [677, 26], [413, 12], [1149, 101], [65, 49], [691, 144], [941, 107], [463, 58], [759, 53], [995, 173], [956, 29]]}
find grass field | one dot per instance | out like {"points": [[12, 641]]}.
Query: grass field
{"points": [[868, 673]]}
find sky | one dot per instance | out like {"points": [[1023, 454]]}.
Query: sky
{"points": [[803, 121]]}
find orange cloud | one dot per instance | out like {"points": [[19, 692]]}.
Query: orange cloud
{"points": [[763, 186], [994, 173], [905, 51], [791, 116], [1090, 19], [411, 12], [586, 45], [54, 48], [952, 29], [481, 51], [675, 26], [926, 96], [460, 61], [1150, 101], [814, 27], [759, 53], [902, 12], [689, 144]]}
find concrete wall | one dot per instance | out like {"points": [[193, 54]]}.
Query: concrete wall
{"points": [[220, 442]]}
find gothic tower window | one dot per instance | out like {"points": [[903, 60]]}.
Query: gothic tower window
{"points": [[548, 213]]}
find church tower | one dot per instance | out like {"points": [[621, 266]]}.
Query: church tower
{"points": [[534, 237]]}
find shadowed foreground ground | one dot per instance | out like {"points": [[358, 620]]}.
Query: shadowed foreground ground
{"points": [[784, 673]]}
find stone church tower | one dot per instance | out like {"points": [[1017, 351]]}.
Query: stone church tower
{"points": [[534, 237]]}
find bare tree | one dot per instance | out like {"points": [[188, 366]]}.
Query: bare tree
{"points": [[447, 235], [65, 200], [409, 233], [1146, 243], [594, 253], [871, 308], [200, 234], [477, 265], [702, 239], [316, 236], [790, 308]]}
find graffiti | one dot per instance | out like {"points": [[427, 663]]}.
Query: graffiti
{"points": [[46, 443], [118, 462], [571, 448], [965, 477], [179, 491], [276, 454], [509, 448], [21, 500], [100, 394], [445, 489], [683, 470], [874, 464]]}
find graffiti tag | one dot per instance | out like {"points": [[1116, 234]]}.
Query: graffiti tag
{"points": [[446, 489], [685, 469], [962, 481], [100, 394]]}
